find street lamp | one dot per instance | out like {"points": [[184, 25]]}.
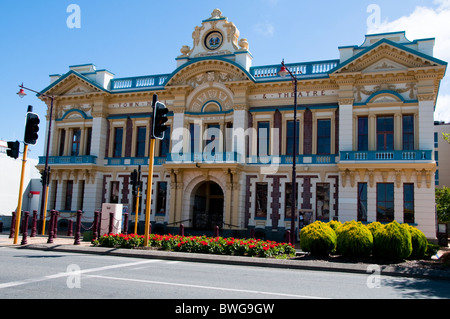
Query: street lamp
{"points": [[22, 94], [284, 71]]}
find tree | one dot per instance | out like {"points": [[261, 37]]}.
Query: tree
{"points": [[443, 204], [446, 137]]}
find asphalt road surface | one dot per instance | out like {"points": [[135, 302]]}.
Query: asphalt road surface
{"points": [[31, 274]]}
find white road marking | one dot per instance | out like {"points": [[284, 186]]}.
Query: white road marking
{"points": [[65, 274], [205, 287]]}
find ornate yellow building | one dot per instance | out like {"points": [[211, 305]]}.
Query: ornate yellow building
{"points": [[365, 136]]}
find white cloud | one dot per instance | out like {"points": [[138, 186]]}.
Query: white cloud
{"points": [[428, 22], [266, 29]]}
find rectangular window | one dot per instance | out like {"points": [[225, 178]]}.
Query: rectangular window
{"points": [[363, 133], [69, 193], [161, 198], [194, 130], [408, 132], [261, 200], [141, 141], [385, 133], [323, 201], [76, 137], [88, 141], [288, 200], [362, 202], [165, 144], [408, 203], [385, 202], [290, 138], [114, 193], [323, 137], [118, 138], [436, 140], [62, 140], [212, 139], [263, 138]]}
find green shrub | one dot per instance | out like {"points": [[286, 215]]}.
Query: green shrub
{"points": [[392, 241], [419, 243], [318, 239], [334, 224], [374, 226], [354, 240]]}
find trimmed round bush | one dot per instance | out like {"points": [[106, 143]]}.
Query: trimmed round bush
{"points": [[354, 240], [374, 226], [419, 243], [392, 241], [334, 224], [318, 239]]}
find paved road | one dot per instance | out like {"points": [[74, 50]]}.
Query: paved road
{"points": [[58, 275]]}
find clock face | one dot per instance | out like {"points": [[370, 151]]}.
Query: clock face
{"points": [[213, 40]]}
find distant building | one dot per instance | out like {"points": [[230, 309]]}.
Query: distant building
{"points": [[442, 154], [10, 173], [365, 138]]}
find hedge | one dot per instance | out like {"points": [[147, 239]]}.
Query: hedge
{"points": [[354, 240], [318, 239]]}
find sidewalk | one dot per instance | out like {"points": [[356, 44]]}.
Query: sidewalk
{"points": [[66, 244]]}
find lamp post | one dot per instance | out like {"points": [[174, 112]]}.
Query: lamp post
{"points": [[22, 94], [284, 71]]}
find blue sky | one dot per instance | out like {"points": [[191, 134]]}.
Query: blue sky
{"points": [[137, 37]]}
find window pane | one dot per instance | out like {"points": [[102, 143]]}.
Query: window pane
{"points": [[263, 138], [323, 201], [362, 202], [323, 137], [363, 134], [290, 137], [385, 133], [141, 137], [408, 132], [408, 203], [385, 202], [261, 200], [118, 136], [165, 144], [76, 142]]}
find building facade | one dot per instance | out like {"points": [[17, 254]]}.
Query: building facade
{"points": [[365, 136], [442, 151]]}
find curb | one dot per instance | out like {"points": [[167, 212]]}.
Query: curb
{"points": [[359, 268]]}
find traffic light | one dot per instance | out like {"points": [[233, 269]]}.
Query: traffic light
{"points": [[13, 149], [31, 128], [136, 181], [159, 120]]}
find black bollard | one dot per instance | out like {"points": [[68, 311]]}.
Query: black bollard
{"points": [[95, 226], [25, 229], [78, 228], [50, 228], [34, 224]]}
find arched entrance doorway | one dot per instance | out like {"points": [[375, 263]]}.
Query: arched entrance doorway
{"points": [[208, 206]]}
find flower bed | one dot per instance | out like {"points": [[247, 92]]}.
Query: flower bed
{"points": [[200, 244]]}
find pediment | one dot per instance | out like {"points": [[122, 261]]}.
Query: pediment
{"points": [[386, 57], [201, 72], [72, 84]]}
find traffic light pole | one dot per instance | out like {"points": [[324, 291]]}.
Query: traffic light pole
{"points": [[149, 191], [19, 205]]}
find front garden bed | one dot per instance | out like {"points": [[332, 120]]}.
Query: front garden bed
{"points": [[200, 244]]}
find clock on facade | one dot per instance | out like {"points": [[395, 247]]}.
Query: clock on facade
{"points": [[213, 40]]}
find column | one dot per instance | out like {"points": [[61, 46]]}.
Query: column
{"points": [[345, 125], [240, 123], [426, 121]]}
